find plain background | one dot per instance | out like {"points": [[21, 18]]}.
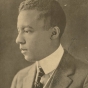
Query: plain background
{"points": [[75, 38]]}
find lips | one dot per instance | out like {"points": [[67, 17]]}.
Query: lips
{"points": [[23, 51]]}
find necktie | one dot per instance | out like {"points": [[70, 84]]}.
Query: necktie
{"points": [[38, 84]]}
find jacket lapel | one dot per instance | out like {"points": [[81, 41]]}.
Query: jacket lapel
{"points": [[60, 80], [29, 79], [62, 75]]}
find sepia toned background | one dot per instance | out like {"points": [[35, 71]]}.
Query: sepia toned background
{"points": [[75, 38]]}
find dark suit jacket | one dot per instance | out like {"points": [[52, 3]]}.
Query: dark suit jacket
{"points": [[71, 73]]}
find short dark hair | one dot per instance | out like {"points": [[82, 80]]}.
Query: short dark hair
{"points": [[52, 9]]}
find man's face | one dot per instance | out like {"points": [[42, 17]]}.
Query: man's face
{"points": [[33, 39]]}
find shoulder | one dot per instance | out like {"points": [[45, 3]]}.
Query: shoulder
{"points": [[19, 77], [22, 73], [78, 64]]}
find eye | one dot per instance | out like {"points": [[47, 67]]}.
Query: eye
{"points": [[27, 30]]}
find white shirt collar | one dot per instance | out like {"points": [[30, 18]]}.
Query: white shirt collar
{"points": [[50, 63]]}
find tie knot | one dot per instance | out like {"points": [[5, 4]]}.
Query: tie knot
{"points": [[40, 72]]}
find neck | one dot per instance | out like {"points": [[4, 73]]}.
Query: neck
{"points": [[52, 48]]}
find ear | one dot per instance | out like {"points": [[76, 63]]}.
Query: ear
{"points": [[55, 33]]}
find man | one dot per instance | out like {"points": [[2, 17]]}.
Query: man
{"points": [[41, 24]]}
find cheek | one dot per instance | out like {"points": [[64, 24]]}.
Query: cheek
{"points": [[32, 40], [42, 41], [37, 41]]}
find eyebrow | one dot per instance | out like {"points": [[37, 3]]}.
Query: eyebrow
{"points": [[26, 27]]}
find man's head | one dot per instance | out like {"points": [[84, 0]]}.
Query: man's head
{"points": [[40, 25]]}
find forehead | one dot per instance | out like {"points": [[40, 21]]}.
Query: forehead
{"points": [[25, 14], [30, 17]]}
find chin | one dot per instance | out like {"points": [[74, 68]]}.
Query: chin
{"points": [[30, 59]]}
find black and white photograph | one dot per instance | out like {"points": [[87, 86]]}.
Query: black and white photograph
{"points": [[43, 43]]}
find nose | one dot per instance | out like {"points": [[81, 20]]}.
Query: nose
{"points": [[20, 39]]}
